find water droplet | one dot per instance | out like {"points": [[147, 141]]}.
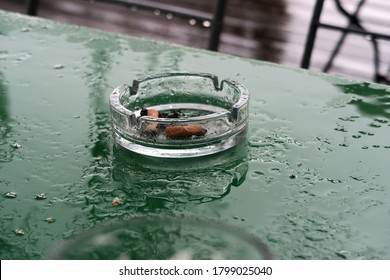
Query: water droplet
{"points": [[97, 159], [313, 237], [157, 12], [381, 121], [276, 170], [50, 220], [365, 147], [58, 66], [356, 136], [359, 179], [293, 176], [19, 232], [341, 255], [40, 196], [334, 181], [349, 119], [16, 146], [376, 146], [375, 125], [3, 55], [169, 16], [341, 129], [10, 194], [258, 144]]}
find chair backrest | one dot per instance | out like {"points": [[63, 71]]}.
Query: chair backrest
{"points": [[32, 7], [371, 22], [213, 18]]}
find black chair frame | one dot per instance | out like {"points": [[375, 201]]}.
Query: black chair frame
{"points": [[215, 18], [354, 26]]}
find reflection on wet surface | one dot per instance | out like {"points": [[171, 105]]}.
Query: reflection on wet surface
{"points": [[162, 237], [372, 101], [151, 185], [5, 127]]}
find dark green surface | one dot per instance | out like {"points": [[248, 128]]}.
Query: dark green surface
{"points": [[313, 181]]}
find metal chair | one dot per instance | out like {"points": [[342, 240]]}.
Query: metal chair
{"points": [[32, 7], [215, 18], [354, 26]]}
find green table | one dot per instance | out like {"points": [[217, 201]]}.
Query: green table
{"points": [[312, 181]]}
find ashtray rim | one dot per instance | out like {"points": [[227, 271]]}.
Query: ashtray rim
{"points": [[117, 93]]}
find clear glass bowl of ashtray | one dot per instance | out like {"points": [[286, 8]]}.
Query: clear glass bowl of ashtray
{"points": [[179, 115], [163, 237]]}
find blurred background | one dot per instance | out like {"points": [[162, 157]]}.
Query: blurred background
{"points": [[270, 30]]}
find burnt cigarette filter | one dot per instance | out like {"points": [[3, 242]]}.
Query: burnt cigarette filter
{"points": [[151, 127], [184, 131]]}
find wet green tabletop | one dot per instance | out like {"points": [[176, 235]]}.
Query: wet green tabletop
{"points": [[312, 180]]}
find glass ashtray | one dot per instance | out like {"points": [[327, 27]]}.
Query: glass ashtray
{"points": [[178, 115], [163, 237]]}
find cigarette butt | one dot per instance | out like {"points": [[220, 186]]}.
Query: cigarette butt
{"points": [[116, 201], [151, 127], [152, 113], [184, 131]]}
